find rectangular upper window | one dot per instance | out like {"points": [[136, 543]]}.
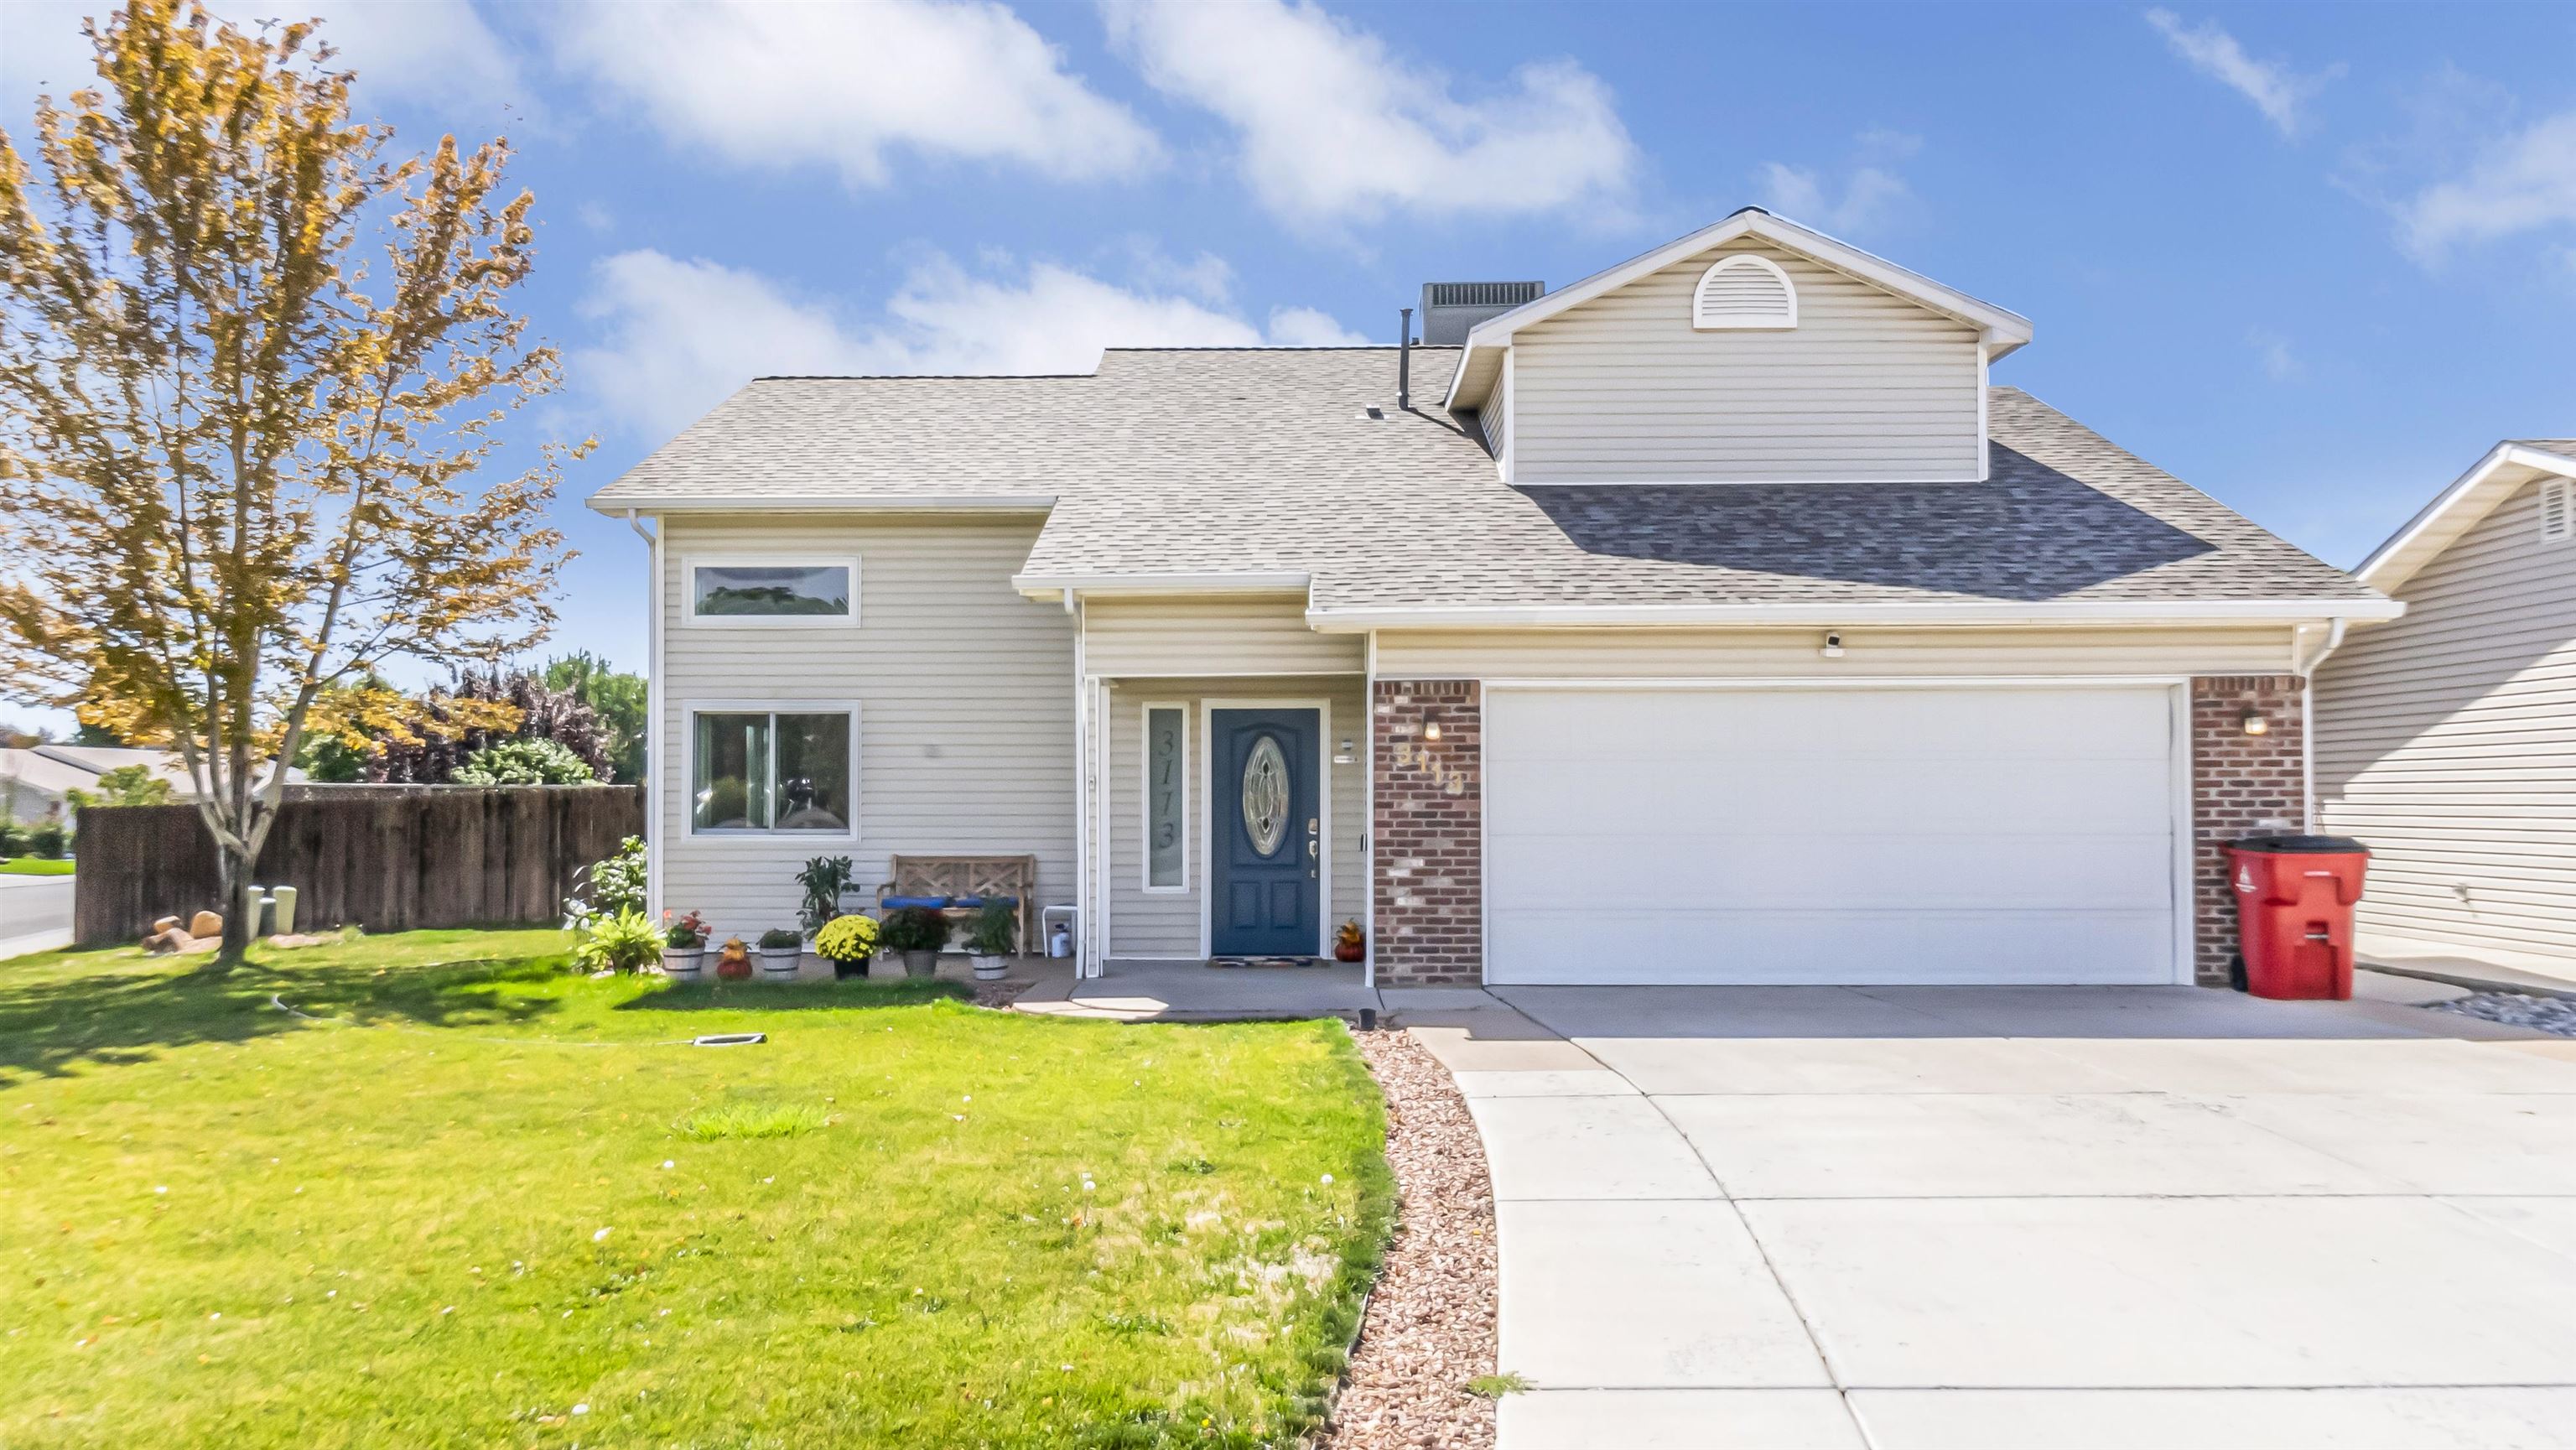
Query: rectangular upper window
{"points": [[788, 772], [774, 591], [1167, 797]]}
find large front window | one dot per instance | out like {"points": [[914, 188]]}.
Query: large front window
{"points": [[771, 771]]}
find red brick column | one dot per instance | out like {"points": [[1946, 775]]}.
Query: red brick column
{"points": [[1427, 832], [2240, 784]]}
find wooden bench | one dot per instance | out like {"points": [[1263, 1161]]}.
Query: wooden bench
{"points": [[952, 876]]}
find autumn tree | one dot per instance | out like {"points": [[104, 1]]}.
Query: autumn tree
{"points": [[253, 367]]}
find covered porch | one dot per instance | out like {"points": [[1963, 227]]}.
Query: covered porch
{"points": [[1225, 835]]}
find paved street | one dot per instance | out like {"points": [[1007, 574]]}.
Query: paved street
{"points": [[1996, 1217], [35, 914]]}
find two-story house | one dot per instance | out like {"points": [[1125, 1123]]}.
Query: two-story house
{"points": [[1713, 619]]}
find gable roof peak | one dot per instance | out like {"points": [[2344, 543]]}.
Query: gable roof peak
{"points": [[1999, 329]]}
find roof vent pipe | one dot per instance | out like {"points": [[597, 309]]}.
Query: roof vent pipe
{"points": [[1404, 360]]}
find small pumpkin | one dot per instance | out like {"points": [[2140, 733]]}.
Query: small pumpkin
{"points": [[735, 963]]}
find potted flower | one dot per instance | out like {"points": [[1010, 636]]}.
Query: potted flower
{"points": [[917, 932], [994, 937], [1349, 945], [847, 942], [780, 950], [733, 963], [684, 947]]}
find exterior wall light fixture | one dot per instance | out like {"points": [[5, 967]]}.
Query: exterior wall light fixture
{"points": [[2253, 723], [1431, 730], [1833, 649]]}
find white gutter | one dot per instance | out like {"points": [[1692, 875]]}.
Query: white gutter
{"points": [[654, 784], [1829, 615], [2308, 720], [1023, 503]]}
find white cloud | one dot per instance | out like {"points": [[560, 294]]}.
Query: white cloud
{"points": [[434, 51], [2276, 90], [1871, 195], [1332, 127], [1306, 327], [843, 84], [676, 336], [2522, 183], [2279, 363]]}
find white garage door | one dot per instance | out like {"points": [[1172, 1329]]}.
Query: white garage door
{"points": [[1948, 834]]}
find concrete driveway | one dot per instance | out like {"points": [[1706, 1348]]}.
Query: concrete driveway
{"points": [[1998, 1217]]}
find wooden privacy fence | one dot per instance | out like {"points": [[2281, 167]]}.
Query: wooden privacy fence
{"points": [[388, 858]]}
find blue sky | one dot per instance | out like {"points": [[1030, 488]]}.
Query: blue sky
{"points": [[2312, 259]]}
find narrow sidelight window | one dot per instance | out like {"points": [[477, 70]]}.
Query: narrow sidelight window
{"points": [[771, 771], [1167, 804]]}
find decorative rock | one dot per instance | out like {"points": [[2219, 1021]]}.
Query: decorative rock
{"points": [[167, 941], [2516, 1009], [167, 923], [205, 923]]}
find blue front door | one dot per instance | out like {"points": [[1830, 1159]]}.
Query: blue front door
{"points": [[1267, 865]]}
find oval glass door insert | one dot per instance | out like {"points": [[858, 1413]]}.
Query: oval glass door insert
{"points": [[1265, 795]]}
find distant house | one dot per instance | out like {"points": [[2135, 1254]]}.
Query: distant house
{"points": [[34, 783], [2446, 738]]}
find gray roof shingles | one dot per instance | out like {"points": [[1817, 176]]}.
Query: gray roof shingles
{"points": [[1262, 460]]}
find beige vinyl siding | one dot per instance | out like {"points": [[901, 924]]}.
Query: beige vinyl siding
{"points": [[2447, 741], [965, 695], [1212, 635], [1868, 386], [1152, 924], [1644, 654]]}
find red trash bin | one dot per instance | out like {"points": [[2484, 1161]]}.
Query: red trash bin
{"points": [[2294, 899]]}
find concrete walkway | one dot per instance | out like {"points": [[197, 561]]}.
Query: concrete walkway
{"points": [[1998, 1217], [1192, 992]]}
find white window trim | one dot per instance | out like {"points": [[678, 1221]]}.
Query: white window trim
{"points": [[691, 619], [1145, 807], [687, 781], [1733, 262], [2562, 494]]}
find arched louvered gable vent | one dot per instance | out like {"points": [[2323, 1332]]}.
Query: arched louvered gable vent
{"points": [[1744, 292]]}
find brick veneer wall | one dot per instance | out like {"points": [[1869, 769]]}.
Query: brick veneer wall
{"points": [[1427, 831], [2240, 783]]}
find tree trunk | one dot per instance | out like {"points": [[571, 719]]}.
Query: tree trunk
{"points": [[240, 909]]}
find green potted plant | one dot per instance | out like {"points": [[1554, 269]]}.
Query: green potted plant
{"points": [[781, 948], [917, 933], [847, 942], [824, 879], [993, 938], [684, 947]]}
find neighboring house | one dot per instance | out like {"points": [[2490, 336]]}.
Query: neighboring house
{"points": [[35, 782], [2446, 740], [1708, 620]]}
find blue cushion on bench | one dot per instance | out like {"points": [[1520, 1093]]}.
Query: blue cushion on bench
{"points": [[898, 903], [973, 903]]}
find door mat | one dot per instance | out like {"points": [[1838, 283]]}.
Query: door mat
{"points": [[1269, 962]]}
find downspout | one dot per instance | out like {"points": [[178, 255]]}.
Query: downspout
{"points": [[2308, 719], [1404, 361], [1081, 795], [653, 732]]}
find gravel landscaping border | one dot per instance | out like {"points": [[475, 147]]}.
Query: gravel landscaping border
{"points": [[2516, 1009], [1430, 1323]]}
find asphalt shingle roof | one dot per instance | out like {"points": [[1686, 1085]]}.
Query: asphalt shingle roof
{"points": [[1263, 461]]}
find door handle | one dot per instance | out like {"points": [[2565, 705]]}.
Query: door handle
{"points": [[1310, 850]]}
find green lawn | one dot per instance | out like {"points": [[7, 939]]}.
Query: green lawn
{"points": [[34, 866], [489, 1204]]}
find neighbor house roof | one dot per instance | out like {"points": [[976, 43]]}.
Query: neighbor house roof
{"points": [[1261, 469], [2455, 510]]}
